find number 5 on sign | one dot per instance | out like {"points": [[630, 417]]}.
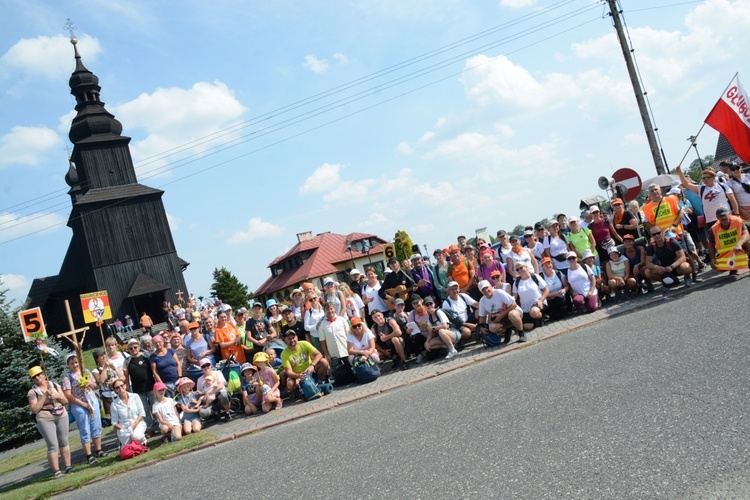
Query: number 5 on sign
{"points": [[32, 323]]}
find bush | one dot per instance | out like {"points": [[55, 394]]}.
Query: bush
{"points": [[17, 425]]}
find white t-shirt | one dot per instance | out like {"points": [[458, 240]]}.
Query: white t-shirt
{"points": [[360, 345], [580, 281], [372, 293], [460, 307], [557, 246], [334, 334], [201, 385], [538, 251], [166, 410], [554, 283], [528, 291], [498, 303], [354, 305], [524, 256], [742, 196], [713, 198], [119, 361]]}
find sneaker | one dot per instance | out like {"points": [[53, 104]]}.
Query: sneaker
{"points": [[420, 359], [58, 474], [92, 460], [522, 337], [404, 366], [733, 273], [688, 281], [452, 352], [68, 469], [166, 439], [508, 335], [396, 362], [696, 278], [649, 288], [102, 453]]}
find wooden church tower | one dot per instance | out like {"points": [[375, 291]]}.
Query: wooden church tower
{"points": [[121, 238]]}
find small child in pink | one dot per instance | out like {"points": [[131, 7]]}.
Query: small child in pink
{"points": [[268, 383]]}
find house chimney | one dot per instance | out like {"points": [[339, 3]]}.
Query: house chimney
{"points": [[306, 236]]}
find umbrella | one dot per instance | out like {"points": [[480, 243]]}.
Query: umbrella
{"points": [[663, 180]]}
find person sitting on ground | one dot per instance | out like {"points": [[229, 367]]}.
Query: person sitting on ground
{"points": [[530, 291], [499, 313], [464, 307], [47, 401], [165, 413], [128, 415], [360, 343], [558, 298], [84, 405], [636, 256], [420, 317], [602, 286], [441, 333], [249, 393], [268, 383], [732, 243], [582, 283], [666, 260], [300, 359], [190, 405], [389, 339], [212, 382], [620, 277]]}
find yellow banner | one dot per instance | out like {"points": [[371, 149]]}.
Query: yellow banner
{"points": [[95, 306]]}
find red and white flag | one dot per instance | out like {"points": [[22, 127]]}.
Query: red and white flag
{"points": [[731, 117]]}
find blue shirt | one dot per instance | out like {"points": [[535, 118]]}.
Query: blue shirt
{"points": [[166, 366]]}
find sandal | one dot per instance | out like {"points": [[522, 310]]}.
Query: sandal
{"points": [[58, 474], [69, 469], [92, 460], [102, 453]]}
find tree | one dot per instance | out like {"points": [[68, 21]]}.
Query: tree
{"points": [[228, 288], [403, 244], [16, 425], [694, 170], [518, 230]]}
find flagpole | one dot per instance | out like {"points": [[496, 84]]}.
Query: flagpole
{"points": [[695, 137]]}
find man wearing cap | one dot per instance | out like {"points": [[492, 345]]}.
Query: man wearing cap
{"points": [[393, 282], [357, 280], [732, 243], [139, 378], [301, 359], [623, 221], [290, 322], [422, 275], [229, 339], [499, 313], [258, 331], [461, 304], [221, 403], [665, 260]]}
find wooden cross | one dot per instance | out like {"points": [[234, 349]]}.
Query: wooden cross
{"points": [[179, 295], [72, 336]]}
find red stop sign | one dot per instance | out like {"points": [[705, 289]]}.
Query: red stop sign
{"points": [[631, 180]]}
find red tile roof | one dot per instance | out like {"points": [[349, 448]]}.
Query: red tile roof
{"points": [[328, 249]]}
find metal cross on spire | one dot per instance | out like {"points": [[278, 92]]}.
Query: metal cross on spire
{"points": [[71, 27]]}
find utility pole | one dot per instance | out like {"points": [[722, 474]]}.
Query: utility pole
{"points": [[626, 50]]}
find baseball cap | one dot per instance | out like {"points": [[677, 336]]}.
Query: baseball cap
{"points": [[452, 283], [483, 284], [159, 386], [415, 298], [354, 272], [398, 302]]}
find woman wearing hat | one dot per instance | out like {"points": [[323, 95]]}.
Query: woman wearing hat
{"points": [[623, 221], [47, 402], [128, 415], [619, 273], [249, 393], [78, 387], [582, 283]]}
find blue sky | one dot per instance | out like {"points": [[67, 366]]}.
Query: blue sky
{"points": [[261, 120]]}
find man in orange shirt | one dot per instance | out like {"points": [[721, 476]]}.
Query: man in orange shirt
{"points": [[228, 338], [146, 323], [462, 271]]}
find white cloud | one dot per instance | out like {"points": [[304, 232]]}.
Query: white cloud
{"points": [[349, 190], [632, 139], [375, 219], [46, 57], [422, 229], [17, 285], [27, 145], [325, 178], [427, 137], [315, 65], [517, 4], [174, 222], [340, 58], [14, 226], [172, 117], [404, 148], [257, 229]]}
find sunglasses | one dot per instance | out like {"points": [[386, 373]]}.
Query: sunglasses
{"points": [[734, 169], [206, 366], [356, 326], [133, 347], [707, 177], [520, 269], [496, 277], [657, 233]]}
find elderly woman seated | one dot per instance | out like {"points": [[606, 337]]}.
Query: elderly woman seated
{"points": [[128, 415]]}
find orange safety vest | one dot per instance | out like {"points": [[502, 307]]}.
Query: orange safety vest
{"points": [[668, 209], [725, 240]]}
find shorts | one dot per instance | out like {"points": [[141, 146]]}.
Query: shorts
{"points": [[190, 417], [456, 335], [527, 318]]}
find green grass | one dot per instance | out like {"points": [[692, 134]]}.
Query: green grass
{"points": [[109, 466]]}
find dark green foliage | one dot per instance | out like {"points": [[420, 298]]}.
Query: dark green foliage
{"points": [[17, 425], [229, 289], [403, 244]]}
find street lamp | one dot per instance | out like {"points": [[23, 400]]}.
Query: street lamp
{"points": [[349, 247]]}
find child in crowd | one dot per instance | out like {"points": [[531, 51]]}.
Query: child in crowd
{"points": [[190, 404], [164, 411], [212, 390], [249, 393], [267, 383]]}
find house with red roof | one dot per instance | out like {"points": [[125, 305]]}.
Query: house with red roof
{"points": [[315, 258]]}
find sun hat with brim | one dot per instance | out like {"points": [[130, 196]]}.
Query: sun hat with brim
{"points": [[247, 366], [35, 370], [586, 254], [133, 341], [184, 380], [203, 362], [261, 357], [612, 250]]}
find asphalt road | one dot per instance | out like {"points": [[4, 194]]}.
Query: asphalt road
{"points": [[650, 404]]}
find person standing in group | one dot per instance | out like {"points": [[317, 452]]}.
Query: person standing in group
{"points": [[47, 402]]}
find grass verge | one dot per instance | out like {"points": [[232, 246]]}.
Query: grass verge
{"points": [[109, 466]]}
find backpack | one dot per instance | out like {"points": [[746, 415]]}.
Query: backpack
{"points": [[534, 277], [721, 184], [450, 267], [132, 449], [366, 372], [342, 372], [491, 339], [454, 319]]}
